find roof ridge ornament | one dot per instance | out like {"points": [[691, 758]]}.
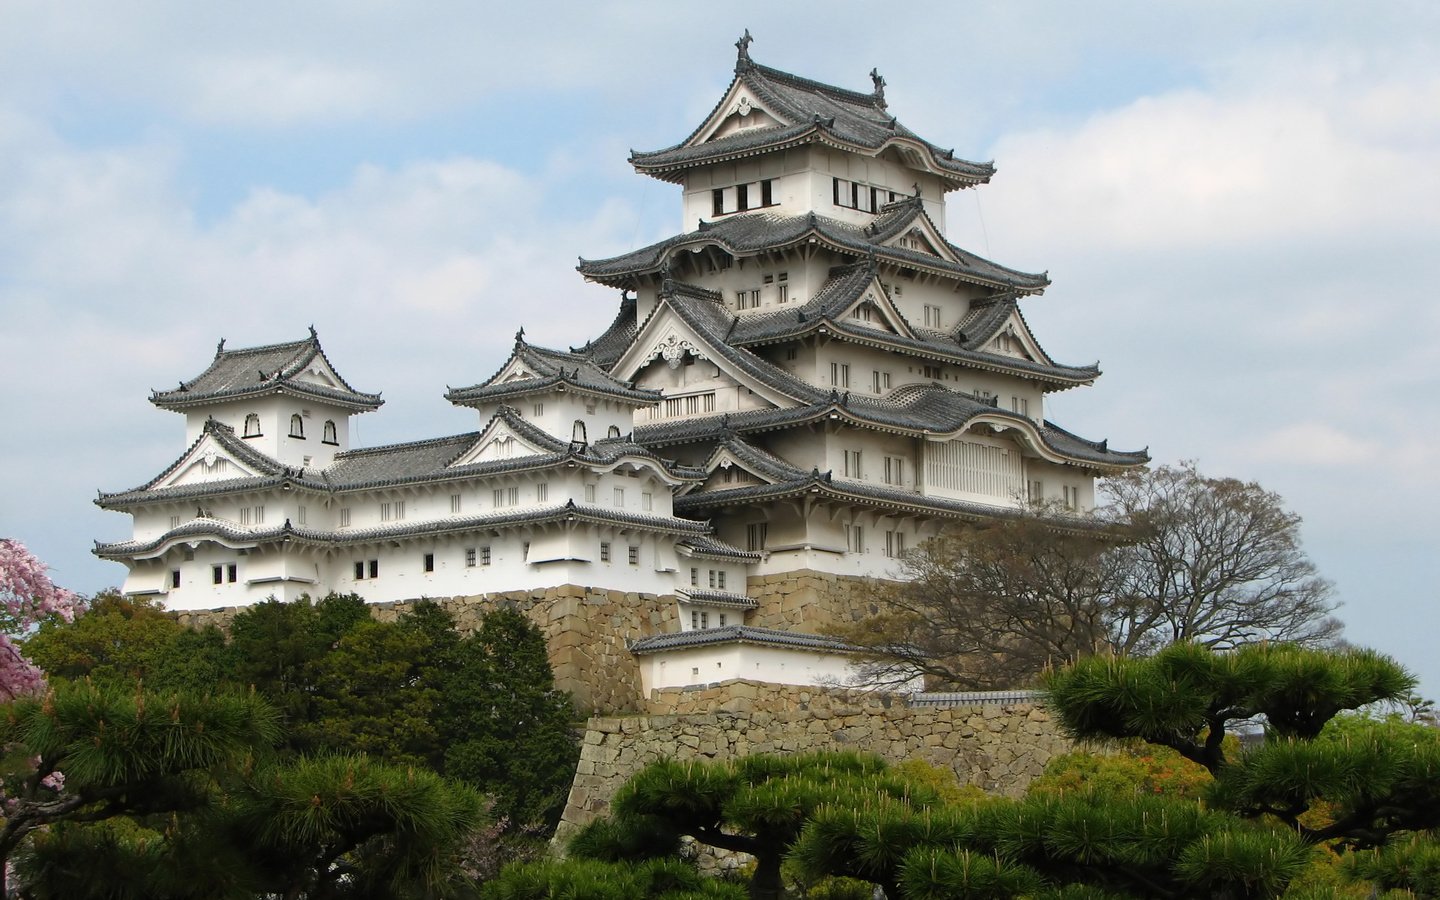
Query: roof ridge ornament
{"points": [[220, 348], [313, 335], [742, 56], [879, 81], [520, 336]]}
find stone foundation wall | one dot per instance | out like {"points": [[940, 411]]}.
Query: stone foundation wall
{"points": [[997, 748], [809, 601], [586, 630]]}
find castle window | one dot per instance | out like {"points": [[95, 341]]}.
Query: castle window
{"points": [[604, 551], [174, 521], [374, 568], [879, 382], [539, 410], [717, 202], [429, 562], [722, 620], [756, 535], [174, 578], [613, 432], [252, 425], [854, 539], [589, 493], [328, 434], [469, 557], [767, 192], [694, 577], [542, 492], [454, 504], [620, 497], [852, 464], [230, 572], [742, 197], [359, 570], [1072, 497], [712, 579], [217, 574], [720, 581], [932, 372], [485, 555], [345, 517], [792, 353], [297, 427], [392, 511], [1035, 491], [840, 375], [932, 316], [895, 470], [894, 544], [646, 501], [633, 554]]}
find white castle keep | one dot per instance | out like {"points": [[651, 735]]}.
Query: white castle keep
{"points": [[812, 380]]}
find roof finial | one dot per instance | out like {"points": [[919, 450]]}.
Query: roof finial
{"points": [[916, 186], [520, 335], [220, 347], [742, 58], [313, 335], [879, 81]]}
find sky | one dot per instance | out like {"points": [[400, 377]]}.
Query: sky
{"points": [[1238, 204]]}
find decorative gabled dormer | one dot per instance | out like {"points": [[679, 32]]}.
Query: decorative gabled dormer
{"points": [[286, 401], [554, 389]]}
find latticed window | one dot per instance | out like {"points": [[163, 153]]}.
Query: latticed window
{"points": [[297, 426], [252, 425]]}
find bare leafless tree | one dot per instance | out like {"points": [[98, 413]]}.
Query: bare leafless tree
{"points": [[1171, 555]]}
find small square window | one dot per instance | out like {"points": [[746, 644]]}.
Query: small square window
{"points": [[359, 570], [485, 556], [374, 568], [217, 574], [634, 555], [604, 551], [469, 557], [429, 562], [174, 578], [454, 504], [230, 573]]}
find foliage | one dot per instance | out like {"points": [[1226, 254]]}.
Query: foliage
{"points": [[99, 753], [755, 805], [122, 640], [1132, 768], [332, 826], [504, 725], [1412, 866], [27, 598], [588, 879], [1170, 556]]}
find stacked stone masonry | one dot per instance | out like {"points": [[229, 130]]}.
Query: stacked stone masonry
{"points": [[809, 601], [997, 748]]}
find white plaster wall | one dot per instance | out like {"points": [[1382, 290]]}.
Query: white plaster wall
{"points": [[703, 665], [275, 440]]}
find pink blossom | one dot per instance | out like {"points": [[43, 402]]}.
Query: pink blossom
{"points": [[27, 597]]}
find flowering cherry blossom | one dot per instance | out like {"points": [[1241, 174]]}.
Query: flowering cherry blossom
{"points": [[27, 597]]}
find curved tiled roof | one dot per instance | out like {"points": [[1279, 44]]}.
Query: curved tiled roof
{"points": [[738, 634], [787, 480], [415, 462], [816, 113], [717, 598], [922, 409], [750, 233], [552, 369], [569, 511], [847, 284], [257, 371], [612, 344], [712, 547]]}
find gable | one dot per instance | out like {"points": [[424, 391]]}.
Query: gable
{"points": [[498, 441], [1014, 340], [873, 309], [667, 340], [740, 111], [319, 372], [207, 461], [728, 472], [921, 238], [515, 370]]}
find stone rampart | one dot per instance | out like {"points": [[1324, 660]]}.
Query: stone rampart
{"points": [[807, 600], [585, 629], [999, 748]]}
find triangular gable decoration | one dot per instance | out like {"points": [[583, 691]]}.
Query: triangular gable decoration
{"points": [[498, 442], [207, 461]]}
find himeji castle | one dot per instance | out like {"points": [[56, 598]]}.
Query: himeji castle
{"points": [[805, 384]]}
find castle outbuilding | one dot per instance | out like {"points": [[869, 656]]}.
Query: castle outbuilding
{"points": [[803, 386]]}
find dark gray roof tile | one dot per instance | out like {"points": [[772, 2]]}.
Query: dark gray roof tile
{"points": [[738, 634], [257, 371]]}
